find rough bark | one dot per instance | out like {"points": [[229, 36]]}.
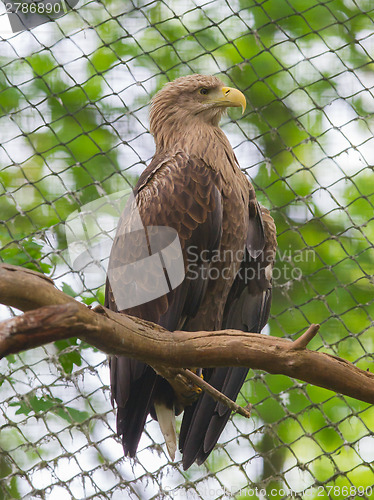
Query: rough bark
{"points": [[51, 315]]}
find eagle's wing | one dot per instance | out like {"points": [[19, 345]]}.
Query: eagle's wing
{"points": [[181, 192], [247, 309]]}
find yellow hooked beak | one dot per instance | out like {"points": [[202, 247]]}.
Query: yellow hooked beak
{"points": [[231, 97]]}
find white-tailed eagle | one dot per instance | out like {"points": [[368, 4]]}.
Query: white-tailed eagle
{"points": [[195, 186]]}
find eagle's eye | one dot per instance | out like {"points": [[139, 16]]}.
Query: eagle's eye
{"points": [[203, 91]]}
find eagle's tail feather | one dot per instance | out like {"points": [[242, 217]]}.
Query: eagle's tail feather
{"points": [[166, 420]]}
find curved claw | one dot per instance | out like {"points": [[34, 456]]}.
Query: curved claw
{"points": [[199, 372]]}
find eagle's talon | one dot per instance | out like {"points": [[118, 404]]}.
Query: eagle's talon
{"points": [[198, 372]]}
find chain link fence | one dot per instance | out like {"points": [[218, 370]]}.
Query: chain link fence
{"points": [[74, 97]]}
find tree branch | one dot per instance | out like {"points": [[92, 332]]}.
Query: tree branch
{"points": [[218, 396], [54, 315]]}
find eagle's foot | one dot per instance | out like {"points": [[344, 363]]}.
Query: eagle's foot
{"points": [[199, 372], [190, 390]]}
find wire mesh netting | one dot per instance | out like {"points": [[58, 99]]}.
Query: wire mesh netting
{"points": [[74, 97]]}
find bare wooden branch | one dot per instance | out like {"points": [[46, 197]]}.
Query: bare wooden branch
{"points": [[305, 338], [218, 396], [57, 316]]}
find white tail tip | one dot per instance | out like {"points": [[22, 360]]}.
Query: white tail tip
{"points": [[166, 420]]}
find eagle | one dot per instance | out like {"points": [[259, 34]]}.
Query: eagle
{"points": [[194, 186]]}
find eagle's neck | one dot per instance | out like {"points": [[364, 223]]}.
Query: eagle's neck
{"points": [[196, 137]]}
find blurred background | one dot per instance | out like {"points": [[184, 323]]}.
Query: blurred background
{"points": [[74, 97]]}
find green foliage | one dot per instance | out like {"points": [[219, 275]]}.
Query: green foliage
{"points": [[25, 252], [69, 350], [46, 404], [71, 357]]}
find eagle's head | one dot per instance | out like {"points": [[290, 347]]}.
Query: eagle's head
{"points": [[193, 99]]}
